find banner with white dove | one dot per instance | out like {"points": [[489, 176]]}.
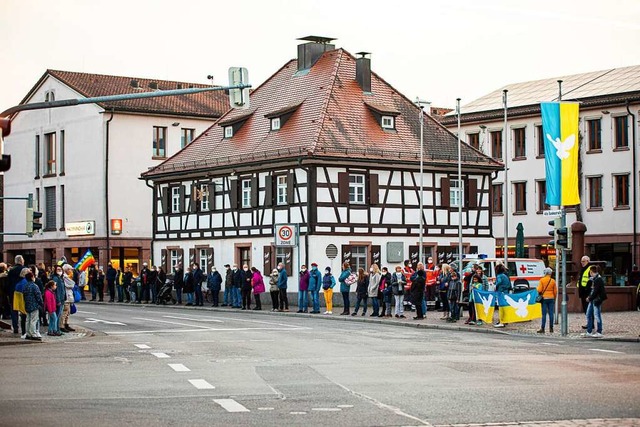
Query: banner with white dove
{"points": [[513, 308]]}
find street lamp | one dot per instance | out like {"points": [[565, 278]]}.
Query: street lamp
{"points": [[506, 181], [460, 189], [421, 105]]}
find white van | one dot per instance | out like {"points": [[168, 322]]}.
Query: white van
{"points": [[522, 271]]}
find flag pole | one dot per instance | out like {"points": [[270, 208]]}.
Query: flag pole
{"points": [[506, 182], [563, 252], [461, 191]]}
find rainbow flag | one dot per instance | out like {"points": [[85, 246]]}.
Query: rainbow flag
{"points": [[560, 132], [85, 261], [519, 307]]}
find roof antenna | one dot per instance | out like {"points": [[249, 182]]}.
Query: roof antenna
{"points": [[210, 77]]}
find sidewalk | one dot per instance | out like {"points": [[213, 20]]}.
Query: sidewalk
{"points": [[7, 337]]}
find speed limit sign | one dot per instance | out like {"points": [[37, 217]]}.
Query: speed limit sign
{"points": [[286, 235]]}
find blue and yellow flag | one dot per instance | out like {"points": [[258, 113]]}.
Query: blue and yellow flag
{"points": [[560, 133], [485, 303], [519, 307]]}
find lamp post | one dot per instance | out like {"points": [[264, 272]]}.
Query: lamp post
{"points": [[421, 105], [460, 189], [506, 182]]}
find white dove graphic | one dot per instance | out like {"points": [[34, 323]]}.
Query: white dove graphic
{"points": [[563, 147], [521, 306], [486, 303]]}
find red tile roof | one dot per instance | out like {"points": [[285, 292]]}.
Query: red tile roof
{"points": [[333, 120], [206, 104]]}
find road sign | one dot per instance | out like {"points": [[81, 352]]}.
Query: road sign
{"points": [[286, 235], [239, 97], [552, 213]]}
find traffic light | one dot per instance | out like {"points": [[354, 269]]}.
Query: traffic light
{"points": [[556, 224], [563, 238], [5, 130], [33, 221]]}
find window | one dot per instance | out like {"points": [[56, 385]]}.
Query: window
{"points": [[37, 159], [50, 153], [62, 219], [281, 190], [595, 192], [173, 258], [456, 191], [388, 122], [359, 258], [159, 141], [540, 140], [246, 193], [621, 189], [496, 144], [49, 96], [496, 202], [244, 254], [621, 132], [275, 123], [281, 256], [473, 139], [202, 259], [356, 188], [228, 131], [519, 144], [175, 199], [542, 195], [186, 137], [520, 193], [61, 162], [594, 131], [50, 208], [204, 197]]}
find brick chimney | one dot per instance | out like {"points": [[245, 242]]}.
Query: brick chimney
{"points": [[363, 71], [310, 52]]}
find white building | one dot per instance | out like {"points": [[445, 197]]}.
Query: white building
{"points": [[82, 164], [609, 106], [330, 147]]}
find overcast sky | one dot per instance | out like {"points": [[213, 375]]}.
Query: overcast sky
{"points": [[437, 50]]}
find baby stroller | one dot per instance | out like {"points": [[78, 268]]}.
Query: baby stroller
{"points": [[165, 295]]}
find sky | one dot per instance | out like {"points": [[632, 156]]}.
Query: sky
{"points": [[435, 50]]}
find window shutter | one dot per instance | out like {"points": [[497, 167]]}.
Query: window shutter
{"points": [[375, 257], [471, 193], [414, 253], [346, 255], [290, 192], [182, 197], [165, 200], [209, 260], [254, 192], [374, 194], [212, 196], [343, 187], [288, 261], [192, 256], [268, 190], [233, 193], [164, 261], [193, 200], [445, 188], [267, 265], [181, 257]]}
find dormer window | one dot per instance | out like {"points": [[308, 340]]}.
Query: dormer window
{"points": [[388, 122], [49, 96], [228, 131], [275, 123]]}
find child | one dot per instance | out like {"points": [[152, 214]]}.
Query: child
{"points": [[50, 308]]}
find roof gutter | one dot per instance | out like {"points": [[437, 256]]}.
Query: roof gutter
{"points": [[634, 249]]}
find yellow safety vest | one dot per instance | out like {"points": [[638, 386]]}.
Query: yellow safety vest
{"points": [[585, 278]]}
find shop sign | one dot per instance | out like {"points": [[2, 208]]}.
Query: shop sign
{"points": [[116, 226], [81, 228]]}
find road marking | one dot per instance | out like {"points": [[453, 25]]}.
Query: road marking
{"points": [[606, 351], [108, 322], [195, 319], [202, 329], [201, 384], [549, 343], [231, 405], [266, 409], [345, 406], [142, 346], [161, 355], [327, 409], [179, 367], [85, 312], [298, 413], [171, 323]]}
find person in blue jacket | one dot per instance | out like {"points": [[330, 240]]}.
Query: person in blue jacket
{"points": [[345, 288], [214, 284], [315, 283], [282, 287]]}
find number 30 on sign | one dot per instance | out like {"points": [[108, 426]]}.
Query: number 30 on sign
{"points": [[286, 234]]}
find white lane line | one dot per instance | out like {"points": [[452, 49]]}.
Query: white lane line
{"points": [[161, 355], [142, 346], [231, 405], [345, 406], [266, 409], [85, 312], [195, 319], [606, 351], [201, 384], [202, 329], [171, 323], [326, 409], [179, 367], [549, 343], [108, 322], [298, 413]]}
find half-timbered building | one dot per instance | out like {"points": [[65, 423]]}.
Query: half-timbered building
{"points": [[333, 149]]}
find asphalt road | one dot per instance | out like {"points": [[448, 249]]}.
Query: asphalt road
{"points": [[178, 366]]}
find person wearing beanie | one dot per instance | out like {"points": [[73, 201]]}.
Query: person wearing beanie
{"points": [[328, 282], [315, 283]]}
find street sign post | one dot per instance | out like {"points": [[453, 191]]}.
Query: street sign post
{"points": [[286, 235], [555, 213]]}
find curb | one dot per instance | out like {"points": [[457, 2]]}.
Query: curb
{"points": [[390, 322], [81, 332]]}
